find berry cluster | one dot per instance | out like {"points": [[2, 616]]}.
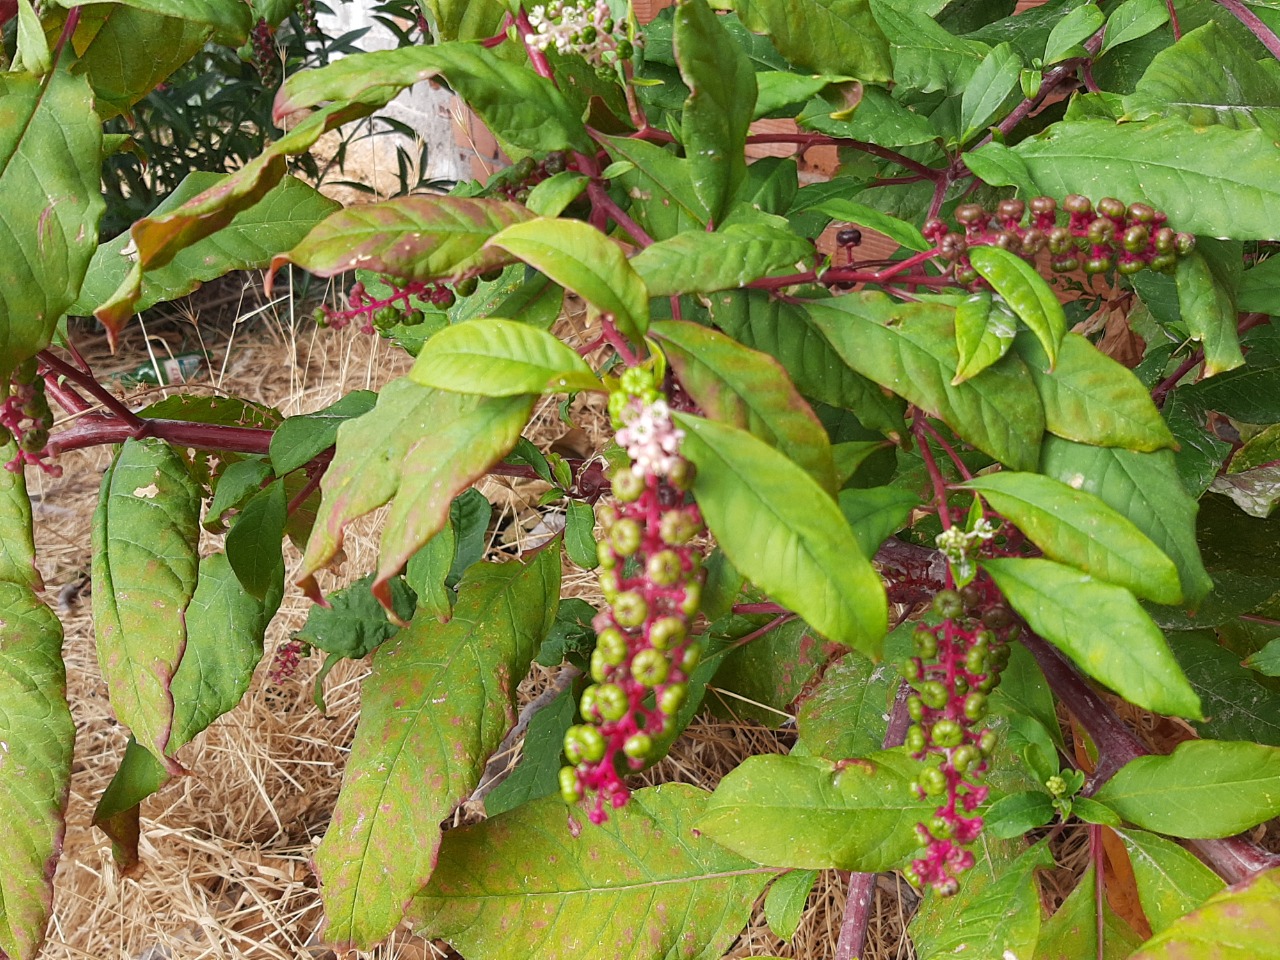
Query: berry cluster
{"points": [[518, 180], [957, 663], [25, 414], [651, 576], [586, 29], [385, 313], [263, 56], [1095, 239], [307, 17], [284, 664]]}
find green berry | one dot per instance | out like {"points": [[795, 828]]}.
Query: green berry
{"points": [[934, 694], [649, 667], [987, 742], [965, 757], [466, 286], [625, 536], [1111, 207], [1060, 240], [608, 580], [1135, 239], [975, 706], [692, 598], [941, 828], [692, 657], [975, 661], [1128, 268], [570, 785], [611, 701], [1165, 240], [947, 733], [965, 274], [583, 744], [926, 642], [1075, 203], [612, 644], [681, 474], [587, 702], [947, 604], [1141, 212], [627, 485], [600, 667], [915, 708], [1102, 231], [1184, 243], [638, 746], [910, 669], [915, 740], [673, 698], [933, 781], [664, 568], [1064, 264], [667, 632], [605, 556]]}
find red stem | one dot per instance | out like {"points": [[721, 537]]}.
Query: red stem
{"points": [[1173, 20], [807, 140], [747, 609], [947, 449], [931, 465], [600, 199], [541, 66], [87, 381]]}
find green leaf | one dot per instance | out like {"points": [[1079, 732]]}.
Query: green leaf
{"points": [[1238, 922], [579, 536], [642, 886], [785, 902], [784, 533], [1260, 288], [582, 259], [1024, 691], [237, 485], [661, 187], [354, 623], [537, 773], [1072, 932], [1237, 706], [276, 222], [875, 514], [1171, 880], [747, 390], [1013, 815], [428, 569], [158, 239], [552, 195], [299, 439], [903, 232], [501, 358], [1079, 529], [988, 89], [437, 704], [1206, 297], [37, 734], [1131, 20], [784, 331], [985, 329], [844, 715], [17, 544], [777, 89], [525, 111], [231, 20], [409, 238], [1143, 487], [722, 98], [1101, 627], [809, 812], [464, 19], [1202, 452], [32, 48], [828, 36], [878, 118], [1071, 31], [926, 57], [50, 150], [699, 262], [145, 532], [910, 348], [254, 543], [1168, 163], [763, 680], [1025, 291], [1267, 660], [1204, 789]]}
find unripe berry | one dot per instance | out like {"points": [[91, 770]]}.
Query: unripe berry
{"points": [[608, 580], [466, 286], [1129, 265], [1141, 212], [612, 645], [1165, 240], [910, 669], [947, 604], [677, 528], [947, 733], [975, 706], [1111, 207], [638, 746], [915, 740], [1135, 239], [692, 598], [630, 609], [933, 781], [1064, 264], [681, 474], [649, 667], [915, 708], [941, 828], [1033, 242], [673, 698], [692, 657], [570, 785], [997, 617], [926, 642], [583, 744], [587, 702], [664, 568], [1043, 205], [987, 742], [605, 556], [971, 213], [934, 694], [1184, 243], [1008, 240], [625, 537], [1077, 204], [611, 701], [667, 632], [975, 661], [1101, 231], [627, 485], [1060, 240], [965, 274], [964, 757], [1164, 263]]}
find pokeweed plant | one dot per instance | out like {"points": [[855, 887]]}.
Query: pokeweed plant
{"points": [[809, 445]]}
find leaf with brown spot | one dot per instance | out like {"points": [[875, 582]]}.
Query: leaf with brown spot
{"points": [[438, 703]]}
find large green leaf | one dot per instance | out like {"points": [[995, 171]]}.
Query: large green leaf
{"points": [[926, 57], [1101, 627], [827, 36], [300, 438], [501, 358], [1207, 282], [1237, 706], [642, 886], [1143, 487], [50, 158], [1027, 294], [809, 812], [409, 238], [1171, 880], [582, 259], [254, 546], [1204, 789], [1090, 398], [840, 208], [17, 546], [696, 261], [985, 329], [844, 715], [231, 20], [1250, 393], [987, 95], [1165, 162], [762, 681], [1239, 923], [278, 221], [748, 390], [784, 331], [464, 19], [660, 186], [1072, 932], [524, 110], [537, 774], [1208, 79], [145, 533], [722, 97], [438, 703], [910, 348], [1079, 529], [784, 533]]}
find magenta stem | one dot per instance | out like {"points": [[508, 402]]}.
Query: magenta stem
{"points": [[86, 381], [541, 65], [931, 465]]}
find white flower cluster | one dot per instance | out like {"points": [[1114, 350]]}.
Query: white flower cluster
{"points": [[958, 546], [650, 438], [585, 29]]}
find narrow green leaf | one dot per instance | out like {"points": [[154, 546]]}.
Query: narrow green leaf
{"points": [[1239, 922], [1143, 487], [926, 57], [301, 438], [699, 262], [235, 487], [784, 533], [50, 150], [985, 329], [579, 536], [910, 348], [1079, 529], [809, 812], [1026, 292], [907, 234], [1071, 31], [642, 886], [661, 187], [1072, 932], [747, 390], [829, 36], [231, 20], [501, 358], [1132, 20], [33, 47], [785, 902], [254, 543], [1267, 660], [1171, 880], [552, 195], [1101, 627], [145, 562], [537, 773], [988, 89], [582, 259], [427, 570], [722, 98], [1204, 789], [777, 89], [1013, 815], [437, 704], [1207, 299]]}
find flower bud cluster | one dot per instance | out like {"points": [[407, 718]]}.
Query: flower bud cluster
{"points": [[26, 417], [1110, 236], [651, 576], [586, 29], [957, 663], [383, 314]]}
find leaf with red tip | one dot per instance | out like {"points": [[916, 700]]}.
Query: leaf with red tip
{"points": [[1241, 921]]}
